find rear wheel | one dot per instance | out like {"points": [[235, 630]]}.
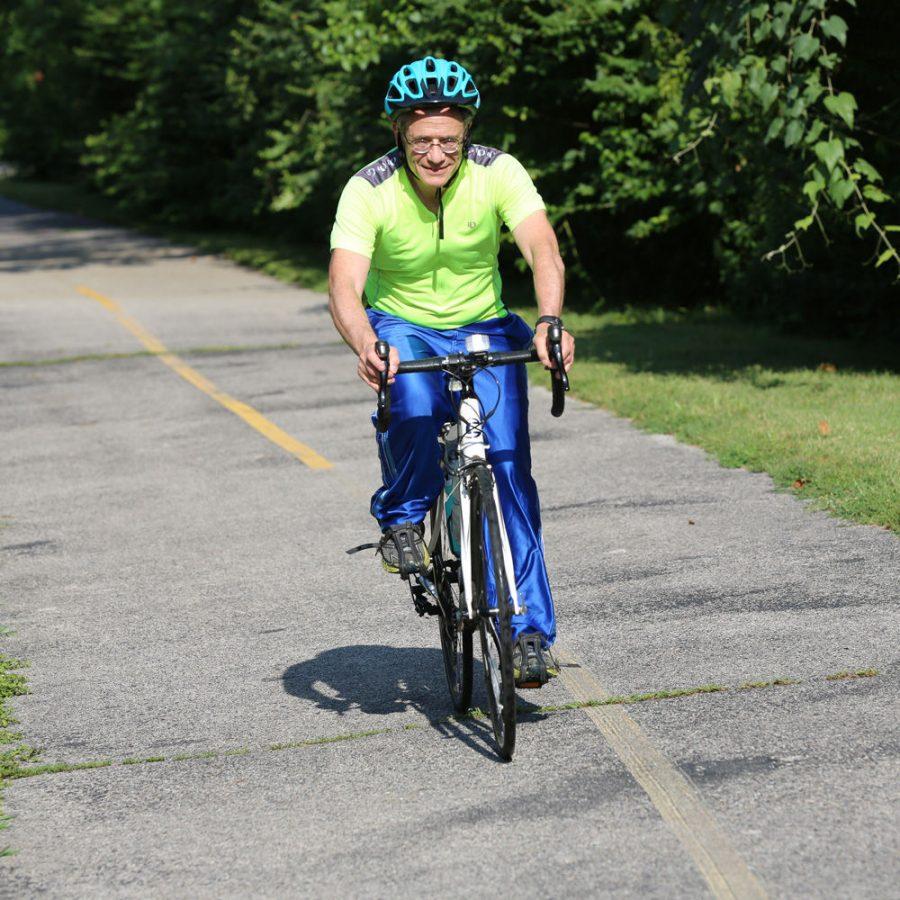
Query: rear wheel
{"points": [[495, 630], [456, 636]]}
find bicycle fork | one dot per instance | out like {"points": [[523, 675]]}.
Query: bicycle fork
{"points": [[472, 451]]}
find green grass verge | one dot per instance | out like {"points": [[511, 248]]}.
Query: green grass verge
{"points": [[822, 417]]}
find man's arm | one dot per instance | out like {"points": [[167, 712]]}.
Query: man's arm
{"points": [[347, 275], [538, 245]]}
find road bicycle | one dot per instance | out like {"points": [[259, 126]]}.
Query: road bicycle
{"points": [[470, 584]]}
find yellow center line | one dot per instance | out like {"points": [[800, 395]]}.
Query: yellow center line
{"points": [[678, 801], [242, 410]]}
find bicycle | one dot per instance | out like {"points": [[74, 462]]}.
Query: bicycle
{"points": [[466, 537]]}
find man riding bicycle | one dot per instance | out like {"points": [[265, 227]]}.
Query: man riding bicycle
{"points": [[417, 232]]}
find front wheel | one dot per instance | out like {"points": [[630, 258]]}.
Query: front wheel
{"points": [[456, 636], [495, 629]]}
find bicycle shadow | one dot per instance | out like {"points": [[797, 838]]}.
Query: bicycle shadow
{"points": [[378, 680]]}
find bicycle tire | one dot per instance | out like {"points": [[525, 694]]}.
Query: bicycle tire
{"points": [[456, 640], [495, 632]]}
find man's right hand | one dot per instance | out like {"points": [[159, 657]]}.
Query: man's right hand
{"points": [[370, 365]]}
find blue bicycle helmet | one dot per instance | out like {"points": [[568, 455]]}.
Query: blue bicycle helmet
{"points": [[431, 82]]}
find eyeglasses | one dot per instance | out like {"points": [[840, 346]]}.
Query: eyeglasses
{"points": [[421, 145]]}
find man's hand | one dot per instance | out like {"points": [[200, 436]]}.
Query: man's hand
{"points": [[542, 345], [370, 365]]}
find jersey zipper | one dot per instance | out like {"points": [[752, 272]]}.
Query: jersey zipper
{"points": [[440, 199]]}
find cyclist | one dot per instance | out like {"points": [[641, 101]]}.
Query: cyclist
{"points": [[417, 233]]}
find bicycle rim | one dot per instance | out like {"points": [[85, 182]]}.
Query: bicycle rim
{"points": [[495, 631], [456, 642]]}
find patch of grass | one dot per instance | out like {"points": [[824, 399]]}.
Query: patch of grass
{"points": [[822, 417], [668, 695], [138, 761], [203, 754], [773, 682], [858, 673], [625, 699], [290, 261], [12, 751], [55, 768], [331, 739]]}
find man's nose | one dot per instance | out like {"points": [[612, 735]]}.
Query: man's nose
{"points": [[435, 154]]}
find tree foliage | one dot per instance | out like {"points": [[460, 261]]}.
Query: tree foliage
{"points": [[689, 150]]}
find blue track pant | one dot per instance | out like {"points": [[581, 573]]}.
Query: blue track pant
{"points": [[410, 454]]}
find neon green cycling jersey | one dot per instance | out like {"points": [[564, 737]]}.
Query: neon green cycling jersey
{"points": [[435, 270]]}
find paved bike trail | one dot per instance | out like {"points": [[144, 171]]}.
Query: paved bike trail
{"points": [[179, 586]]}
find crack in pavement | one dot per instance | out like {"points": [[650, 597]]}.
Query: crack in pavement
{"points": [[12, 773]]}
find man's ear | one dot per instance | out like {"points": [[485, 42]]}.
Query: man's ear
{"points": [[467, 135], [395, 127]]}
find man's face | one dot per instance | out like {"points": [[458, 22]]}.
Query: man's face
{"points": [[435, 167]]}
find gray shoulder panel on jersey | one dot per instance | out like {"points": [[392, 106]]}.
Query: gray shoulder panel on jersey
{"points": [[379, 171], [483, 156]]}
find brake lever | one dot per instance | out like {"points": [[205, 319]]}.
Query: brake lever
{"points": [[383, 417], [558, 377]]}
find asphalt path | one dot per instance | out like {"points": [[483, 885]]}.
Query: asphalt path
{"points": [[177, 580]]}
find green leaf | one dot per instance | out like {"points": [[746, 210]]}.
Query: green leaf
{"points": [[835, 27], [759, 11], [774, 128], [839, 190], [816, 129], [862, 222], [876, 195], [830, 152], [805, 46], [761, 32], [885, 257], [804, 223], [779, 26], [842, 105], [812, 189], [793, 133], [731, 85], [779, 65], [892, 227], [813, 89], [767, 94], [867, 170]]}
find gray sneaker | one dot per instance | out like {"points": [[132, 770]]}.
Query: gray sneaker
{"points": [[403, 550], [533, 665]]}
